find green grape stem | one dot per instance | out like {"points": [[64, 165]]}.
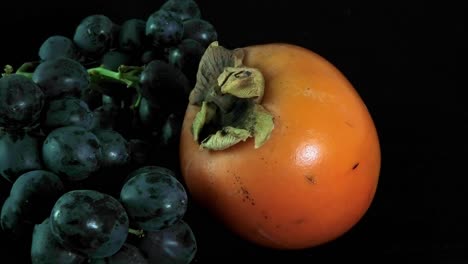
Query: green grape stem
{"points": [[128, 75], [137, 232]]}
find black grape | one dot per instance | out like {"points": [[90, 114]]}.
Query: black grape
{"points": [[128, 254], [152, 54], [35, 192], [186, 56], [19, 153], [150, 114], [200, 30], [166, 85], [105, 117], [166, 150], [164, 28], [89, 222], [21, 101], [91, 96], [132, 35], [61, 77], [58, 46], [46, 250], [72, 152], [68, 111], [93, 36], [113, 59], [175, 244], [115, 148], [147, 169], [185, 9], [12, 222], [139, 151], [170, 131], [154, 199]]}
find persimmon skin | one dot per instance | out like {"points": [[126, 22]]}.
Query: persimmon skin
{"points": [[317, 174]]}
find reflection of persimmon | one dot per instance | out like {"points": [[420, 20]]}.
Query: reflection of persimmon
{"points": [[292, 164]]}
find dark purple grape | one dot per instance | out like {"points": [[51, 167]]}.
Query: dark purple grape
{"points": [[12, 222], [105, 117], [35, 192], [128, 254], [68, 111], [21, 101], [150, 114], [139, 151], [164, 28], [89, 222], [19, 153], [175, 244], [186, 56], [184, 9], [58, 46], [154, 199], [165, 85], [91, 96], [170, 132], [113, 59], [147, 169], [200, 30], [115, 148], [132, 35], [166, 150], [61, 77], [46, 250], [72, 152], [93, 36], [151, 55]]}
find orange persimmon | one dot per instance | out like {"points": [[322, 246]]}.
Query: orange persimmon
{"points": [[278, 145]]}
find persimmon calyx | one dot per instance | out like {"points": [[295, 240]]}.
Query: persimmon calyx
{"points": [[229, 95]]}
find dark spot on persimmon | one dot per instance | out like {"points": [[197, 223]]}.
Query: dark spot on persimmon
{"points": [[355, 165], [349, 124], [311, 179], [299, 221]]}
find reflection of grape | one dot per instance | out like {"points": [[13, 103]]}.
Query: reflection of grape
{"points": [[46, 250], [90, 222], [173, 245], [154, 198]]}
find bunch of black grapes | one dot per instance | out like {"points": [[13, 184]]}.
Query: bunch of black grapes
{"points": [[89, 141]]}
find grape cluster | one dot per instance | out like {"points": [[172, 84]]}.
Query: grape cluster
{"points": [[89, 140]]}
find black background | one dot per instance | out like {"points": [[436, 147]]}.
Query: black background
{"points": [[405, 60]]}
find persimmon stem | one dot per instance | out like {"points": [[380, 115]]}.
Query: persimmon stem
{"points": [[229, 95]]}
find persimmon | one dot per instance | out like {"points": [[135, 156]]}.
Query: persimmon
{"points": [[278, 145]]}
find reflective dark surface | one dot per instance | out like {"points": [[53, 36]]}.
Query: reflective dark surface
{"points": [[405, 60]]}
